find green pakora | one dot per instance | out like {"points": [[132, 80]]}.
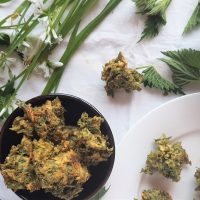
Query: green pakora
{"points": [[40, 120], [17, 170], [155, 194], [167, 159], [118, 76], [53, 156]]}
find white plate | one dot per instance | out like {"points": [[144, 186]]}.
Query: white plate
{"points": [[180, 119]]}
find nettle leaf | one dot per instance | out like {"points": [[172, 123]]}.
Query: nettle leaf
{"points": [[189, 57], [160, 7], [4, 39], [182, 74], [4, 1], [194, 20], [153, 79], [100, 194], [155, 12], [184, 64], [152, 26]]}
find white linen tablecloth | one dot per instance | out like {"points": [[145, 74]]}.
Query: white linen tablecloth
{"points": [[120, 31]]}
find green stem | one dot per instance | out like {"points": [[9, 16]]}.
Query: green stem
{"points": [[11, 26], [18, 11]]}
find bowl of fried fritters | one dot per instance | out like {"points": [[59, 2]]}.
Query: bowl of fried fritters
{"points": [[56, 147]]}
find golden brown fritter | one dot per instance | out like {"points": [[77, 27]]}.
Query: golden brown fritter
{"points": [[40, 120], [118, 76], [53, 156], [168, 159], [155, 194], [17, 170]]}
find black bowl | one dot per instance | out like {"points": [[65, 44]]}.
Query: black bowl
{"points": [[74, 108]]}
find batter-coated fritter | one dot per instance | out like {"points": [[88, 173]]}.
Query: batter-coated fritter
{"points": [[53, 156], [40, 120], [168, 159], [17, 170], [155, 194]]}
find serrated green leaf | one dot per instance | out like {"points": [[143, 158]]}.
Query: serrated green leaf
{"points": [[100, 194], [189, 57], [4, 39], [4, 1], [194, 20], [153, 79], [155, 12], [159, 7], [182, 74], [152, 26]]}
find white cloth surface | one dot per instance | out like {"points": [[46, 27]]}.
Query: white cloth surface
{"points": [[120, 31]]}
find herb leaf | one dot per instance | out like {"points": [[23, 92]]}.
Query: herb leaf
{"points": [[189, 57], [184, 64], [194, 20], [152, 26], [155, 11], [153, 79], [100, 194]]}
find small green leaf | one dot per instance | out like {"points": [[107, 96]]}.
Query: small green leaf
{"points": [[182, 74], [194, 20], [184, 65], [153, 79], [152, 27], [4, 1], [189, 57], [155, 12], [100, 193]]}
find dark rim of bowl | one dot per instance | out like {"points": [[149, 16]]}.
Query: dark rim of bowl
{"points": [[78, 99]]}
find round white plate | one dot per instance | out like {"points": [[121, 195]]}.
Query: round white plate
{"points": [[180, 119]]}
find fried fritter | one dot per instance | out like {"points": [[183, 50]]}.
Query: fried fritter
{"points": [[118, 76], [40, 120], [53, 156], [168, 159], [17, 170], [155, 194]]}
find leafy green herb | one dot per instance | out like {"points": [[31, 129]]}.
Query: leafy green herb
{"points": [[194, 21], [155, 12], [184, 65], [153, 79], [100, 194]]}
